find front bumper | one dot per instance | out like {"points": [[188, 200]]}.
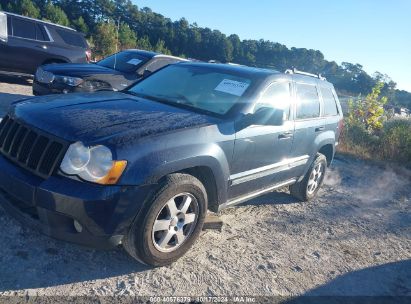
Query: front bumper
{"points": [[51, 206]]}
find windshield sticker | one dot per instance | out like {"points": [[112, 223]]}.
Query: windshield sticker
{"points": [[232, 87], [134, 61]]}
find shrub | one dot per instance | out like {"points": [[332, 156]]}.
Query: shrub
{"points": [[396, 140]]}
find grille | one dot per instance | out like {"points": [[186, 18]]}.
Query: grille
{"points": [[32, 150]]}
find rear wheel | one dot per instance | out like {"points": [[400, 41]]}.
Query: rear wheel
{"points": [[169, 225], [306, 189]]}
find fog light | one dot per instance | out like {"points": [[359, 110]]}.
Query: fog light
{"points": [[78, 226], [65, 91]]}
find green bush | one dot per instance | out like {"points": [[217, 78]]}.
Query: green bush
{"points": [[393, 142], [396, 140]]}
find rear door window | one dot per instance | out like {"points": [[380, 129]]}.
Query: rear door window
{"points": [[24, 28], [72, 38], [308, 102], [330, 104]]}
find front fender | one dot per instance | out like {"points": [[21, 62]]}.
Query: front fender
{"points": [[151, 168]]}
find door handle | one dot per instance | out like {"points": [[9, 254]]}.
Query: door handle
{"points": [[44, 47], [285, 135], [319, 129]]}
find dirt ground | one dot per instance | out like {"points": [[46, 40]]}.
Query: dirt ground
{"points": [[354, 239]]}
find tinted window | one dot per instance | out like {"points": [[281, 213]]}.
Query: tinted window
{"points": [[196, 87], [159, 63], [277, 96], [308, 103], [24, 28], [330, 105], [72, 37], [126, 62], [41, 33]]}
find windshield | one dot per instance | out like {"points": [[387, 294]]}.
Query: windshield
{"points": [[125, 62], [194, 86]]}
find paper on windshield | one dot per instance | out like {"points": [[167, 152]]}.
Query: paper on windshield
{"points": [[134, 61], [232, 87]]}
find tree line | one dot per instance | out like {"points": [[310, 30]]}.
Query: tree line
{"points": [[110, 25]]}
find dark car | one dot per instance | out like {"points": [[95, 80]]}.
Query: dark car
{"points": [[27, 43], [143, 166], [115, 72]]}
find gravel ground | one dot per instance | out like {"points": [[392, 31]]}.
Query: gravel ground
{"points": [[354, 239]]}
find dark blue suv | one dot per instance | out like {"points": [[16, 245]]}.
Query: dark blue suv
{"points": [[142, 167]]}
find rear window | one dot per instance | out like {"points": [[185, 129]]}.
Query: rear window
{"points": [[308, 102], [24, 28], [330, 104], [72, 38]]}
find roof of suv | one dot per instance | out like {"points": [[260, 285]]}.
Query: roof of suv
{"points": [[41, 21]]}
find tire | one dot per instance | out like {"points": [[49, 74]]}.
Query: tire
{"points": [[148, 244], [303, 190]]}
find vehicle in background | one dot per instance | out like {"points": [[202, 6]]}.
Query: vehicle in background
{"points": [[115, 73], [27, 43], [141, 167]]}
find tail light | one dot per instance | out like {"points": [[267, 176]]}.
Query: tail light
{"points": [[88, 55]]}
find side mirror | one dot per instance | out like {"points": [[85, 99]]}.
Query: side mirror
{"points": [[263, 116], [3, 27]]}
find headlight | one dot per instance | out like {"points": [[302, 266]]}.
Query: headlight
{"points": [[93, 164], [43, 76], [93, 85], [71, 81]]}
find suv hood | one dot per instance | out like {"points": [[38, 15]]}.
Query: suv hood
{"points": [[79, 70], [104, 117]]}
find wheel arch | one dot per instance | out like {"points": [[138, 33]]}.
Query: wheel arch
{"points": [[328, 151]]}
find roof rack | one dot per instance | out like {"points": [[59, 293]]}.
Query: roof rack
{"points": [[295, 71]]}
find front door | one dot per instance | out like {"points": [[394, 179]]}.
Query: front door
{"points": [[261, 152]]}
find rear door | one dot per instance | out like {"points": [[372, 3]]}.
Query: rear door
{"points": [[261, 152], [308, 124]]}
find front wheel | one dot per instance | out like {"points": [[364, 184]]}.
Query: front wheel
{"points": [[306, 189], [169, 225]]}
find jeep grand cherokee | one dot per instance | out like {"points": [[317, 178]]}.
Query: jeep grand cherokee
{"points": [[143, 166]]}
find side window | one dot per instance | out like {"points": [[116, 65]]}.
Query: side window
{"points": [[278, 96], [158, 64], [72, 38], [41, 33], [24, 28], [330, 105], [308, 102]]}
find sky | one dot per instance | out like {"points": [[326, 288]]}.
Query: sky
{"points": [[373, 33]]}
